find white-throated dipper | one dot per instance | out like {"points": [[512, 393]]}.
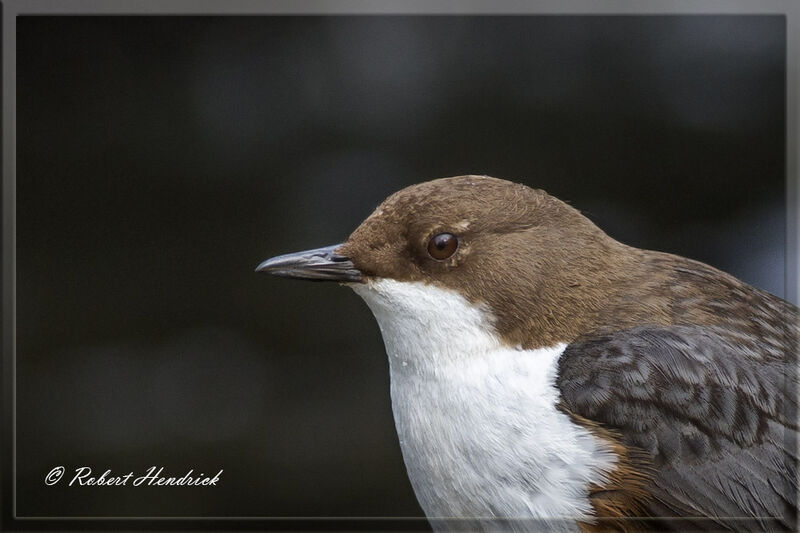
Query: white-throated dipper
{"points": [[545, 376]]}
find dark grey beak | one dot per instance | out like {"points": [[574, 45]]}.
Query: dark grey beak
{"points": [[322, 264]]}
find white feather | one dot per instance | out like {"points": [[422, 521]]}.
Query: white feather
{"points": [[479, 429]]}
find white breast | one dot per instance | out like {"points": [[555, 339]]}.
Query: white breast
{"points": [[479, 429]]}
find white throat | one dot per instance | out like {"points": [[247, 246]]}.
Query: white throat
{"points": [[479, 429]]}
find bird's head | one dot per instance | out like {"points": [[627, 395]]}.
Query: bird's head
{"points": [[529, 261]]}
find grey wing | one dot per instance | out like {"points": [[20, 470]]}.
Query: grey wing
{"points": [[715, 418]]}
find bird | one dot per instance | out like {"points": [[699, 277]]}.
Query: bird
{"points": [[546, 377]]}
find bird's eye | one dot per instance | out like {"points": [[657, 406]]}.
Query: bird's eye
{"points": [[442, 246]]}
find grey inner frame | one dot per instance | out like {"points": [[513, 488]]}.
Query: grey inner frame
{"points": [[159, 159]]}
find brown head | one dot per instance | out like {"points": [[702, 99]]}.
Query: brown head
{"points": [[542, 269]]}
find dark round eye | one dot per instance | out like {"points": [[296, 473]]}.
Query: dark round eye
{"points": [[442, 246]]}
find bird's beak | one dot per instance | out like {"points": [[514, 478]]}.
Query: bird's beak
{"points": [[322, 264]]}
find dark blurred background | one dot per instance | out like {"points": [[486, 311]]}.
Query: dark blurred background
{"points": [[160, 159]]}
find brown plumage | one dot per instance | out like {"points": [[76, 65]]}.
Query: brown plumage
{"points": [[580, 280], [626, 493]]}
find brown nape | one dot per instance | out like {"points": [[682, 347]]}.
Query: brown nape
{"points": [[546, 272], [625, 494]]}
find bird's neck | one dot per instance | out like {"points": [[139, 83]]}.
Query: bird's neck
{"points": [[426, 329]]}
